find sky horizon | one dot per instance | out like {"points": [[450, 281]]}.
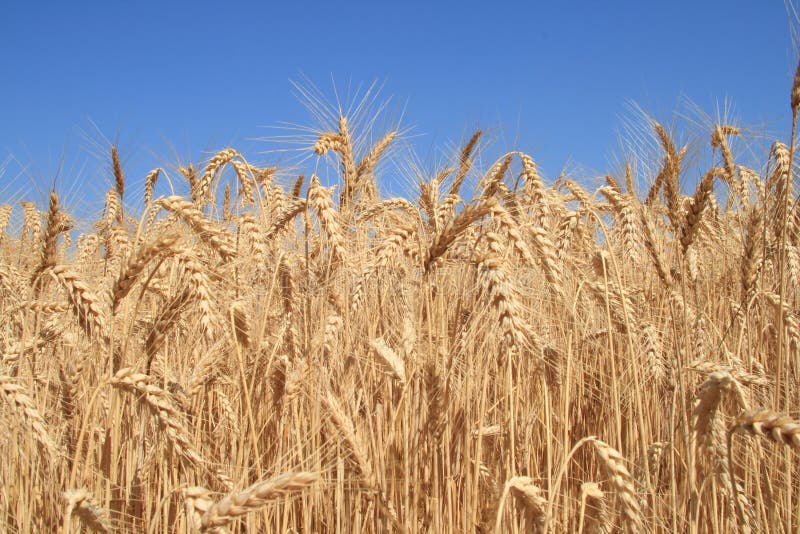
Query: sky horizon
{"points": [[179, 82]]}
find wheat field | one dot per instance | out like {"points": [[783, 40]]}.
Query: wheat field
{"points": [[267, 354]]}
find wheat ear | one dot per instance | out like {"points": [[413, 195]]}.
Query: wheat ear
{"points": [[222, 513], [215, 235], [593, 517], [767, 424], [623, 482], [530, 498], [342, 143], [219, 160], [347, 430], [159, 403], [137, 264], [464, 163], [320, 199], [81, 503], [367, 165], [85, 304], [52, 230], [5, 218], [770, 425], [454, 228], [19, 399], [150, 184], [500, 295], [390, 360]]}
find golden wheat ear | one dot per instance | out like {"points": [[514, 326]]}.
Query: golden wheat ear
{"points": [[623, 482], [19, 399], [80, 503], [770, 425], [530, 499], [224, 512]]}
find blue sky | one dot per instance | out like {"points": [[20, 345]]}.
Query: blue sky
{"points": [[169, 80]]}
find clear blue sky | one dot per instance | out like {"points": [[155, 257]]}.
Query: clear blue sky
{"points": [[167, 79]]}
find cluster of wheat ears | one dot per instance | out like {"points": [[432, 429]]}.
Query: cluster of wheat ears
{"points": [[527, 358]]}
